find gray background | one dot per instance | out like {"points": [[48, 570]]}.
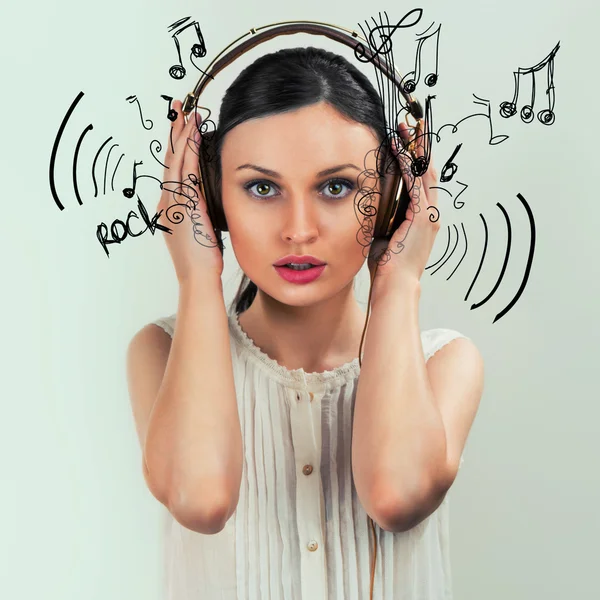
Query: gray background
{"points": [[76, 519]]}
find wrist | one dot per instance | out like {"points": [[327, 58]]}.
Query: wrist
{"points": [[201, 287], [405, 287]]}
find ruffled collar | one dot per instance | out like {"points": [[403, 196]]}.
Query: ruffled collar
{"points": [[296, 378]]}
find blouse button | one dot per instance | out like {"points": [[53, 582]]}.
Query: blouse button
{"points": [[307, 469], [312, 546]]}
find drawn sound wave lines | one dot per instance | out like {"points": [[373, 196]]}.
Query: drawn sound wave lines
{"points": [[453, 249], [444, 259], [75, 159], [94, 165], [55, 149], [485, 228], [106, 164], [451, 253], [76, 155], [112, 180], [506, 257], [446, 250], [529, 261], [464, 253]]}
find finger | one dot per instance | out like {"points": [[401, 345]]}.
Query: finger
{"points": [[420, 139], [413, 140], [173, 181], [180, 146], [174, 133], [430, 182], [411, 183], [417, 186], [405, 134], [191, 168], [425, 193]]}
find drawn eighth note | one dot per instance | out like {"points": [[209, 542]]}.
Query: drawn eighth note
{"points": [[129, 192], [494, 139], [198, 50], [412, 78], [172, 113], [546, 116], [133, 99]]}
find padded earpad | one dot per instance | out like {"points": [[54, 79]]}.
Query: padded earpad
{"points": [[394, 200]]}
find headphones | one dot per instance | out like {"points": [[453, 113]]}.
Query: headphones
{"points": [[394, 199]]}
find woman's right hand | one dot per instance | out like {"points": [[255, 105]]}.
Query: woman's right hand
{"points": [[192, 242]]}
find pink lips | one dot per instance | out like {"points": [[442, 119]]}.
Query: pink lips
{"points": [[305, 276]]}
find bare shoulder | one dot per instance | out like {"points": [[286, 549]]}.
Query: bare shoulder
{"points": [[148, 338], [456, 375], [147, 356]]}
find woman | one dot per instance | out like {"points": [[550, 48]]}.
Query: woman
{"points": [[246, 418]]}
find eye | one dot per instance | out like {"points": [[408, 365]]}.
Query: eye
{"points": [[338, 184], [262, 184], [263, 187]]}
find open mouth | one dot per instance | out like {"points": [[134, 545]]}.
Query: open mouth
{"points": [[300, 273], [303, 267]]}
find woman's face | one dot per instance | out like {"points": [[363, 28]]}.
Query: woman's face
{"points": [[294, 210]]}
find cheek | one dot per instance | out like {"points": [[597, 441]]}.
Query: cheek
{"points": [[348, 254], [243, 220]]}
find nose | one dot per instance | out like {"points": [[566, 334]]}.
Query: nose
{"points": [[301, 221]]}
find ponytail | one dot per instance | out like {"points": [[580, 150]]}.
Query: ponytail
{"points": [[244, 296]]}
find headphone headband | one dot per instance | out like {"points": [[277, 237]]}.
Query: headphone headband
{"points": [[267, 32]]}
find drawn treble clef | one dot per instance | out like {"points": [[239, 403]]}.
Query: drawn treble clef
{"points": [[386, 42]]}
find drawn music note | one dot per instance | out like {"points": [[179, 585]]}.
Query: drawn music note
{"points": [[546, 116], [494, 139], [420, 164], [172, 113], [129, 192], [413, 77], [450, 166], [198, 50], [133, 99]]}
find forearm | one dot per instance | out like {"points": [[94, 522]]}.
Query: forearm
{"points": [[194, 445], [399, 441]]}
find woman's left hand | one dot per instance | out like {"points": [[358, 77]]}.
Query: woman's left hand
{"points": [[405, 255]]}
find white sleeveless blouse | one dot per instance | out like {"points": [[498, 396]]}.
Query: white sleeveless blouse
{"points": [[299, 531]]}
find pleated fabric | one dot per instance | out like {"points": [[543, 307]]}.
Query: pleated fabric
{"points": [[299, 531]]}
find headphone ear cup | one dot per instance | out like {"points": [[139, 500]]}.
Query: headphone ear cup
{"points": [[208, 173], [394, 199]]}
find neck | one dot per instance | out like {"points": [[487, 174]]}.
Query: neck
{"points": [[316, 337]]}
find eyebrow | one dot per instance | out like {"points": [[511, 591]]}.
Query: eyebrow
{"points": [[319, 174]]}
